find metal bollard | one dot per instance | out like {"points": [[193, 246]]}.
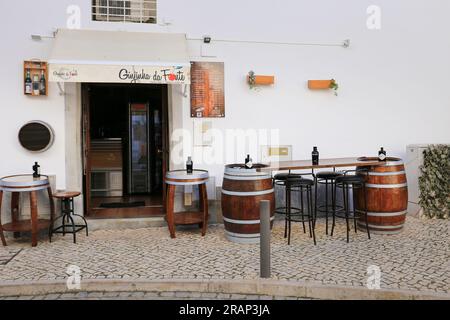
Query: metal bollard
{"points": [[264, 212]]}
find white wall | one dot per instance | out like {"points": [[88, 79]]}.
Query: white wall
{"points": [[394, 81]]}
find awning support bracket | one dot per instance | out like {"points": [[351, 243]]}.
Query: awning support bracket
{"points": [[185, 91], [61, 90]]}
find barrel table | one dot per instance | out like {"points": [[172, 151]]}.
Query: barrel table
{"points": [[18, 184], [242, 191], [387, 196], [182, 178]]}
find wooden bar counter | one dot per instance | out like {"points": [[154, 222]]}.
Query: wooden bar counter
{"points": [[323, 163]]}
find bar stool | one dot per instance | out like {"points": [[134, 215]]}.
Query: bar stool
{"points": [[301, 185], [280, 180], [326, 178], [347, 182], [68, 212]]}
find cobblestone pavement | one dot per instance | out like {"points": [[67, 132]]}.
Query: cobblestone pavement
{"points": [[7, 254], [416, 259], [139, 295]]}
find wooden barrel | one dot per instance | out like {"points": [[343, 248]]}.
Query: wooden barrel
{"points": [[387, 197], [242, 190], [24, 183]]}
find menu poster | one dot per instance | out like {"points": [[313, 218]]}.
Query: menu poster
{"points": [[207, 90]]}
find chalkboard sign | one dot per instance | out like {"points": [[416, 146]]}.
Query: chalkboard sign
{"points": [[36, 136]]}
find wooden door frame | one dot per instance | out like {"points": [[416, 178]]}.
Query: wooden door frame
{"points": [[86, 141], [165, 142], [86, 144]]}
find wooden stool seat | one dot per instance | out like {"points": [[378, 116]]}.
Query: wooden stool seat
{"points": [[66, 194], [182, 178]]}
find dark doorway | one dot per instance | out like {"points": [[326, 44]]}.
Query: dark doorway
{"points": [[125, 137]]}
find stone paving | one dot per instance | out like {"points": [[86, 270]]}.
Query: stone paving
{"points": [[417, 259], [152, 295], [7, 254]]}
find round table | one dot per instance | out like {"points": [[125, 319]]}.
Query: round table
{"points": [[182, 178], [18, 184]]}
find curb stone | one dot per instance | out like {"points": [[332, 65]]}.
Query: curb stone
{"points": [[265, 287]]}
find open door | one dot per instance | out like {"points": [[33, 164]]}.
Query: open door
{"points": [[125, 149]]}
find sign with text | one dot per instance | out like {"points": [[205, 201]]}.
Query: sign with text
{"points": [[207, 90], [119, 73]]}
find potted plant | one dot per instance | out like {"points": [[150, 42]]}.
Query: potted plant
{"points": [[334, 85], [251, 79]]}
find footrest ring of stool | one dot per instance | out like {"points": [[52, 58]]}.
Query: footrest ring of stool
{"points": [[283, 210]]}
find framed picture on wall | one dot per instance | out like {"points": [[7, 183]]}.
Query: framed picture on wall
{"points": [[207, 90]]}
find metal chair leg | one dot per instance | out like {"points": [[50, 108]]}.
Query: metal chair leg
{"points": [[315, 201], [310, 215], [313, 229], [85, 222], [354, 207], [365, 210], [289, 225], [73, 229], [326, 206], [333, 198], [302, 208], [334, 209], [287, 195], [347, 212]]}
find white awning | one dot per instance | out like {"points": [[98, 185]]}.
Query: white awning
{"points": [[119, 57]]}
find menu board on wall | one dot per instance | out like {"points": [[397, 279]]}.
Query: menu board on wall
{"points": [[207, 90]]}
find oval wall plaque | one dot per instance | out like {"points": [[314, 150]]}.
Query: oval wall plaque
{"points": [[36, 136]]}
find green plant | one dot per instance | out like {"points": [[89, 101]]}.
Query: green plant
{"points": [[434, 182], [334, 85], [251, 79]]}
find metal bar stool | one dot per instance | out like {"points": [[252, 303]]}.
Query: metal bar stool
{"points": [[301, 185], [67, 209], [347, 182], [326, 178], [280, 180]]}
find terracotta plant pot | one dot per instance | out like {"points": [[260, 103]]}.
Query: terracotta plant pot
{"points": [[262, 80], [319, 84]]}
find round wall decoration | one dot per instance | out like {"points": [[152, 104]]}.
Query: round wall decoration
{"points": [[36, 136]]}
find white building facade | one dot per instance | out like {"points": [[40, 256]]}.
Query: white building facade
{"points": [[392, 77]]}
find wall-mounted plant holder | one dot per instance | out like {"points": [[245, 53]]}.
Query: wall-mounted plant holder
{"points": [[319, 84], [259, 80], [264, 80], [323, 85]]}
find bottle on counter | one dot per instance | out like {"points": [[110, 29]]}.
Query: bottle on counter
{"points": [[42, 86], [248, 162], [189, 165], [36, 170], [315, 156], [36, 85], [382, 154], [28, 83]]}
